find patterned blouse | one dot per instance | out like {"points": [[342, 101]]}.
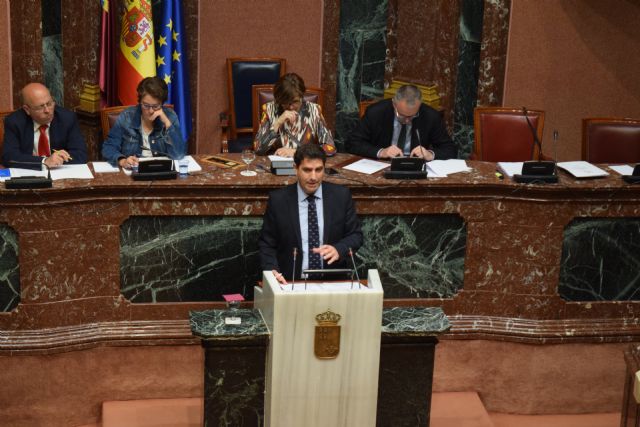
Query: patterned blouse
{"points": [[310, 127]]}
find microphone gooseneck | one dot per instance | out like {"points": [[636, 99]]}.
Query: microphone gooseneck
{"points": [[536, 141], [353, 262], [293, 276]]}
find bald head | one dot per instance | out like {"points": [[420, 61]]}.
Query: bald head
{"points": [[37, 103]]}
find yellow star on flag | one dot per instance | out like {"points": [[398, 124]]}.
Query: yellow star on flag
{"points": [[170, 24], [176, 55], [175, 36], [160, 61], [162, 41], [167, 79]]}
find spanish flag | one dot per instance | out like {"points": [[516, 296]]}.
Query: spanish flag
{"points": [[136, 56]]}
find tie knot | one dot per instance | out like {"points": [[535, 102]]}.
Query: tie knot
{"points": [[311, 198], [43, 128]]}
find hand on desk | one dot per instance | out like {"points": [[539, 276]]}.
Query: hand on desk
{"points": [[390, 152], [279, 277], [129, 162], [422, 153], [57, 158]]}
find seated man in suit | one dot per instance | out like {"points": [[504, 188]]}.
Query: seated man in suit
{"points": [[41, 132], [402, 126], [316, 219]]}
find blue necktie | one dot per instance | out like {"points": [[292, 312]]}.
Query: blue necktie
{"points": [[314, 234]]}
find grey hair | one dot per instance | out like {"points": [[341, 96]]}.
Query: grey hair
{"points": [[409, 94]]}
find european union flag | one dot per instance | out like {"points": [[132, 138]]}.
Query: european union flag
{"points": [[172, 65]]}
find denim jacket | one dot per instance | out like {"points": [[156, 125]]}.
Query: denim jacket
{"points": [[125, 137]]}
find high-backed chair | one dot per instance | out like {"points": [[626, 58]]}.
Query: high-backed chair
{"points": [[503, 135], [108, 117], [3, 114], [261, 94], [364, 105], [611, 140], [242, 74]]}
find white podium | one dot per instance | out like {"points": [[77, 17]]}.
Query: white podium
{"points": [[303, 389]]}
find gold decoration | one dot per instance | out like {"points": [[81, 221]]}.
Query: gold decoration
{"points": [[327, 337]]}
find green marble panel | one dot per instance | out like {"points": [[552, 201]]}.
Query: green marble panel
{"points": [[9, 269]]}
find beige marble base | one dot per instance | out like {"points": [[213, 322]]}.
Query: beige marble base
{"points": [[305, 390]]}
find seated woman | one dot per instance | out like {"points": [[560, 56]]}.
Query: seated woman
{"points": [[289, 121], [145, 130]]}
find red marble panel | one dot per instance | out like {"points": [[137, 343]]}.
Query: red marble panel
{"points": [[81, 22], [493, 52], [26, 45], [77, 262], [330, 54]]}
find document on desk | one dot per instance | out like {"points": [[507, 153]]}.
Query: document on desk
{"points": [[19, 172], [104, 167], [71, 172], [622, 169], [193, 165], [510, 168], [443, 168], [366, 166], [582, 169]]}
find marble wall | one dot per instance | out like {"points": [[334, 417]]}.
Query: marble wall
{"points": [[600, 260], [200, 259], [9, 269]]}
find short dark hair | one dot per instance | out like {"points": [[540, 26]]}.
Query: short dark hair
{"points": [[309, 151], [289, 87], [153, 86]]}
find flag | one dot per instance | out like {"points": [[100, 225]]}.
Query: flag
{"points": [[172, 64], [136, 54], [107, 76]]}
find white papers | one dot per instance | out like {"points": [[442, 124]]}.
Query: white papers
{"points": [[622, 169], [71, 172], [366, 166], [299, 286], [104, 167], [443, 168], [193, 165], [582, 169], [275, 158], [510, 168], [18, 172]]}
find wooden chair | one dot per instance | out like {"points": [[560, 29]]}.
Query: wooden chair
{"points": [[365, 104], [503, 135], [611, 140], [3, 114], [242, 74], [109, 115], [261, 94]]}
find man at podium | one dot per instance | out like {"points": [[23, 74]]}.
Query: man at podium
{"points": [[308, 225]]}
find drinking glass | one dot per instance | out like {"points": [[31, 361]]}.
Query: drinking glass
{"points": [[248, 156]]}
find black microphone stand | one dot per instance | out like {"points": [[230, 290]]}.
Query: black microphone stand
{"points": [[536, 171]]}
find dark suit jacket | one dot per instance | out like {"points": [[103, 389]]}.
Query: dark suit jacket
{"points": [[375, 131], [281, 228], [64, 134]]}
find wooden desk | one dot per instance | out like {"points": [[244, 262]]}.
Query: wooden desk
{"points": [[111, 260]]}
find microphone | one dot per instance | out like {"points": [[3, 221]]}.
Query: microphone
{"points": [[353, 262], [155, 169], [536, 171], [28, 182], [293, 276]]}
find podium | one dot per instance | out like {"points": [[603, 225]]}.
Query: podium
{"points": [[324, 354]]}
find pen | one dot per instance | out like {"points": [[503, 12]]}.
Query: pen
{"points": [[55, 151]]}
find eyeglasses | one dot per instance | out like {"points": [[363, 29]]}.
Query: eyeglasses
{"points": [[154, 107], [403, 118], [41, 107]]}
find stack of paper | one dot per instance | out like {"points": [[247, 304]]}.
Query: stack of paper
{"points": [[582, 169], [443, 168]]}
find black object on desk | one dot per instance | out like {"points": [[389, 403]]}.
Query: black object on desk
{"points": [[154, 170], [538, 172], [406, 168], [634, 178]]}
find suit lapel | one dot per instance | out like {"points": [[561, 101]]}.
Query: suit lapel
{"points": [[294, 214], [326, 213], [389, 117]]}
